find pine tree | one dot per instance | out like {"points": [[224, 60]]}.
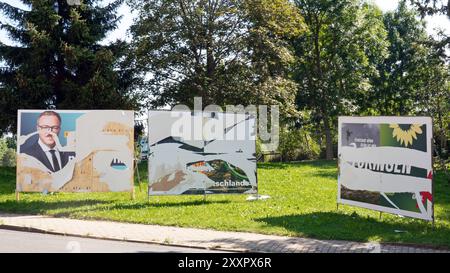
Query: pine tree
{"points": [[57, 60]]}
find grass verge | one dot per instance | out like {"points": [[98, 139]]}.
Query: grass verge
{"points": [[302, 203]]}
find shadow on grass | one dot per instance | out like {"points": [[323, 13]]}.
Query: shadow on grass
{"points": [[274, 166], [331, 174], [159, 204], [323, 164], [339, 226], [45, 207]]}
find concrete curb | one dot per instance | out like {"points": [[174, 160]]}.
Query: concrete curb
{"points": [[43, 231], [237, 242]]}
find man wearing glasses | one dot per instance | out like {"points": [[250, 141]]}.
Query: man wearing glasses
{"points": [[46, 149]]}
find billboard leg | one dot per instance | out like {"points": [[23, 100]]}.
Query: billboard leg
{"points": [[133, 194], [204, 191], [17, 196], [257, 196]]}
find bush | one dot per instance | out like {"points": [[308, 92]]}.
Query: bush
{"points": [[9, 158], [297, 144], [11, 142], [3, 147]]}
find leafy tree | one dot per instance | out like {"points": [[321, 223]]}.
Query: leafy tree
{"points": [[397, 84], [437, 102], [336, 59], [57, 60], [431, 8], [434, 100], [414, 78], [225, 51]]}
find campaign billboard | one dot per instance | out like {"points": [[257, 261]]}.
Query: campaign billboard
{"points": [[385, 164], [201, 153], [75, 150]]}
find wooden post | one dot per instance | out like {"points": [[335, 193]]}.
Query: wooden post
{"points": [[17, 196], [133, 194]]}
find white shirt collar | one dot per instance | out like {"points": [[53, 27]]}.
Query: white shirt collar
{"points": [[45, 148]]}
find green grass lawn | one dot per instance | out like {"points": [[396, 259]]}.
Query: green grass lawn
{"points": [[302, 203]]}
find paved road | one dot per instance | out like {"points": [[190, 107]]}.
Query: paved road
{"points": [[28, 242], [192, 237]]}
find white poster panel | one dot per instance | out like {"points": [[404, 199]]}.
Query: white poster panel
{"points": [[201, 152], [385, 164], [75, 151]]}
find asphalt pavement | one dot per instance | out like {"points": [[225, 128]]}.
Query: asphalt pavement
{"points": [[202, 240], [30, 242]]}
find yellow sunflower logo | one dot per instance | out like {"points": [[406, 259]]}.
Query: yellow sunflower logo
{"points": [[405, 137]]}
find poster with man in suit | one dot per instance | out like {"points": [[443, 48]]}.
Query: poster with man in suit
{"points": [[75, 150], [45, 148]]}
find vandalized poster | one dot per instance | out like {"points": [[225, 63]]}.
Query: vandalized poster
{"points": [[201, 153], [385, 164], [75, 151]]}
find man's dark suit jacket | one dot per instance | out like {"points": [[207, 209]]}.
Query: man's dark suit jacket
{"points": [[36, 151]]}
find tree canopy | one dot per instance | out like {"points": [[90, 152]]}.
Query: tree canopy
{"points": [[316, 59], [227, 52]]}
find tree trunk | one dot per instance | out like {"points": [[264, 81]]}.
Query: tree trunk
{"points": [[328, 138], [442, 136], [326, 122]]}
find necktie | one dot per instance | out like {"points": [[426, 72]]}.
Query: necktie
{"points": [[55, 161]]}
